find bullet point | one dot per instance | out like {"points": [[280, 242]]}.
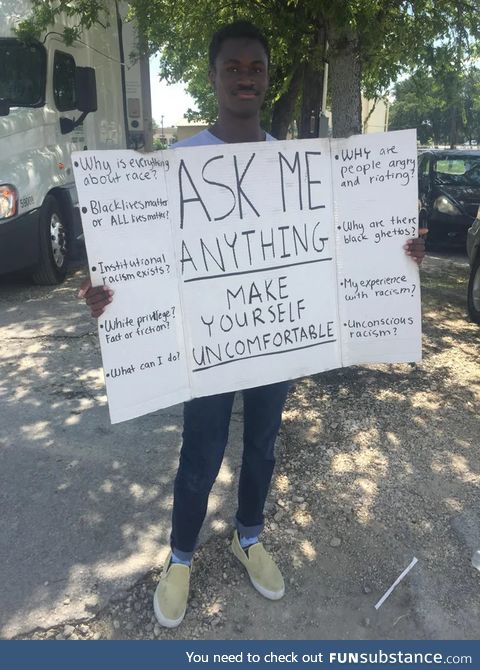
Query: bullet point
{"points": [[107, 375], [84, 210], [336, 158], [101, 325], [75, 163], [94, 268], [339, 227]]}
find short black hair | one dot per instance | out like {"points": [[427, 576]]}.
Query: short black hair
{"points": [[235, 30]]}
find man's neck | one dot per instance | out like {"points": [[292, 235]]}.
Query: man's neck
{"points": [[238, 130]]}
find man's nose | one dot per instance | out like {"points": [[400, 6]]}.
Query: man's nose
{"points": [[244, 77]]}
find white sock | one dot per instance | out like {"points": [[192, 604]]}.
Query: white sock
{"points": [[246, 542], [175, 559]]}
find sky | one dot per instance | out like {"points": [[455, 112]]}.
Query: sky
{"points": [[171, 100]]}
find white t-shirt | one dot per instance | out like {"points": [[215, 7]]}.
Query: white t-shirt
{"points": [[205, 137]]}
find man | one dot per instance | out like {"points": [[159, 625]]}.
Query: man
{"points": [[239, 61]]}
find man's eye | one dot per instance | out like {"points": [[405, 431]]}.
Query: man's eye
{"points": [[232, 68]]}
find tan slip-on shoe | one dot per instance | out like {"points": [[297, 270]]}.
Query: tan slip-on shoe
{"points": [[171, 595], [261, 568]]}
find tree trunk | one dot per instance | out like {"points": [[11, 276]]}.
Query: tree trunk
{"points": [[453, 126], [345, 83], [312, 89], [311, 102], [284, 108]]}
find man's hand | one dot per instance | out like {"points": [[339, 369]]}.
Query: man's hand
{"points": [[96, 297], [416, 248]]}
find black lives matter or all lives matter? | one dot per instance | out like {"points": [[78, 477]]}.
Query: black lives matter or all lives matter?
{"points": [[122, 211]]}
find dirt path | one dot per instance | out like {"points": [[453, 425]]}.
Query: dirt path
{"points": [[376, 465]]}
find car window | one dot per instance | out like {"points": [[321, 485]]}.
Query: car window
{"points": [[461, 171], [64, 81], [22, 73], [473, 174]]}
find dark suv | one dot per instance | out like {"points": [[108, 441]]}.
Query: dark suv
{"points": [[449, 193], [473, 251]]}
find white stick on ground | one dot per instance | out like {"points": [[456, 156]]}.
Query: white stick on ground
{"points": [[396, 583]]}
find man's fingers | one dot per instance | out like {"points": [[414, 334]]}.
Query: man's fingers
{"points": [[98, 292], [96, 297], [97, 311], [96, 300], [84, 287], [415, 249]]}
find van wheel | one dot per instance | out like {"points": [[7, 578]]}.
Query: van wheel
{"points": [[52, 267], [473, 293]]}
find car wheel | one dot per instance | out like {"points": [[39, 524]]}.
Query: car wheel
{"points": [[473, 293], [52, 266]]}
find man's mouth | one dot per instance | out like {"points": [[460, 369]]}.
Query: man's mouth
{"points": [[246, 94]]}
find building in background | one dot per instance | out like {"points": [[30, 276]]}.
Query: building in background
{"points": [[187, 128], [375, 115], [374, 120], [164, 137]]}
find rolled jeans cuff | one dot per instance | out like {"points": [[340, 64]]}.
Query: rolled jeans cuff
{"points": [[182, 555], [248, 531]]}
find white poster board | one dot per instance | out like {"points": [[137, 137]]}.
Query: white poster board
{"points": [[238, 265]]}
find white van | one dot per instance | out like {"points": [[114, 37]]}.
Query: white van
{"points": [[55, 99]]}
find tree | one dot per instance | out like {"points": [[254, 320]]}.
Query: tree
{"points": [[424, 101], [442, 92], [366, 43], [369, 42], [419, 103], [471, 96]]}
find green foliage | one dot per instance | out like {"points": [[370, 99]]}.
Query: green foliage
{"points": [[419, 104], [441, 98], [423, 101], [391, 37], [83, 14], [385, 38], [159, 144], [184, 41]]}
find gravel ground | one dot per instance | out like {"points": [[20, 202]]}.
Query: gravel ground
{"points": [[375, 465]]}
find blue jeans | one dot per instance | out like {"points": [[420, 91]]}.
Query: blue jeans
{"points": [[205, 435]]}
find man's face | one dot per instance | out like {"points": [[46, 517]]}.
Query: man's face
{"points": [[240, 76]]}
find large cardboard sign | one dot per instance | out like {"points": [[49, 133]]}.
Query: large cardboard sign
{"points": [[238, 265]]}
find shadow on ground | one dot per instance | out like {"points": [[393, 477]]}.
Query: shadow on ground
{"points": [[376, 465]]}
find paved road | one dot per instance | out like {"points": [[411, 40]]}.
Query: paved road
{"points": [[84, 504], [457, 256]]}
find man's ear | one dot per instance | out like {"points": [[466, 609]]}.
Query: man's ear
{"points": [[211, 77]]}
